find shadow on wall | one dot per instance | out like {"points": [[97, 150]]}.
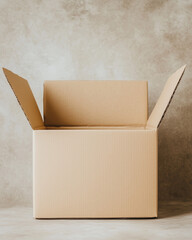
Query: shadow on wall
{"points": [[175, 153], [173, 209]]}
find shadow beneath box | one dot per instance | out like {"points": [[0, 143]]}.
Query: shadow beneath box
{"points": [[173, 209], [165, 210]]}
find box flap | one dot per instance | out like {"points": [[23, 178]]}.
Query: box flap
{"points": [[25, 98], [165, 98], [95, 103]]}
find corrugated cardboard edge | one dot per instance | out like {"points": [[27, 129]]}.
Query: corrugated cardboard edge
{"points": [[29, 111], [165, 98]]}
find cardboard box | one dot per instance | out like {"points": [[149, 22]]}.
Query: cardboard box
{"points": [[96, 153]]}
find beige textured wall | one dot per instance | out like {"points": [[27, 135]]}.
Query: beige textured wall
{"points": [[96, 39]]}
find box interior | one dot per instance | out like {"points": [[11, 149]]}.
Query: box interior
{"points": [[94, 128], [95, 103]]}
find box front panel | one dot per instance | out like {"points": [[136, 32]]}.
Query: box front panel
{"points": [[95, 173]]}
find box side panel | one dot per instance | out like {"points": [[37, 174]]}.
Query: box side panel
{"points": [[96, 103], [95, 174]]}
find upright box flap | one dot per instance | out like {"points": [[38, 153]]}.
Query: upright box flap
{"points": [[25, 98], [95, 103], [165, 98]]}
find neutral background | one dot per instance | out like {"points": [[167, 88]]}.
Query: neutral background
{"points": [[96, 39]]}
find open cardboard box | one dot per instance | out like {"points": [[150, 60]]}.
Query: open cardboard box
{"points": [[96, 153]]}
